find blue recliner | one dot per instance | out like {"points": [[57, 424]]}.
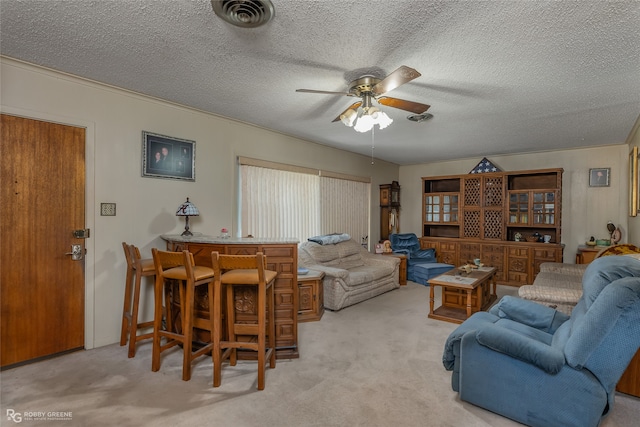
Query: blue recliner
{"points": [[540, 367], [421, 263]]}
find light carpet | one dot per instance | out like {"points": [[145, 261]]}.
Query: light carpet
{"points": [[377, 363]]}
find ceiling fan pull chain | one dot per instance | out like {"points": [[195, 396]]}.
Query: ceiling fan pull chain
{"points": [[373, 143]]}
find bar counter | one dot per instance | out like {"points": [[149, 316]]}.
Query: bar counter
{"points": [[282, 257]]}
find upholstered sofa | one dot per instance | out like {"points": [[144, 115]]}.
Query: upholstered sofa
{"points": [[540, 367], [352, 273], [559, 285]]}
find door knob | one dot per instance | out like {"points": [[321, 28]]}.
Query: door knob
{"points": [[76, 252]]}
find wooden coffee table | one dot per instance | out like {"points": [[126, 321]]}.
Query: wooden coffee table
{"points": [[463, 294]]}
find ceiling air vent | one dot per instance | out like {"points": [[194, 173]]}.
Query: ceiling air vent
{"points": [[420, 117], [244, 13]]}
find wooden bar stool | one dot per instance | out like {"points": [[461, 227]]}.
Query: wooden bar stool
{"points": [[138, 267], [236, 271], [180, 266]]}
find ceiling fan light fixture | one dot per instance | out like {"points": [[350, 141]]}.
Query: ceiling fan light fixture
{"points": [[381, 119], [364, 123], [349, 117], [370, 117]]}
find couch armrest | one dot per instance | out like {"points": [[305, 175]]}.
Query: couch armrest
{"points": [[329, 271], [529, 313], [521, 347]]}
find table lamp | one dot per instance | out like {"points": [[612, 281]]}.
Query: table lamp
{"points": [[187, 209]]}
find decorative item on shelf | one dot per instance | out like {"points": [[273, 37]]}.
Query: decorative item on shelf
{"points": [[386, 247], [614, 233], [485, 166], [517, 237], [616, 236], [591, 242], [603, 242], [224, 233], [547, 238], [535, 237], [186, 210]]}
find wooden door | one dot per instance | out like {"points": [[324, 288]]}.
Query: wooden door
{"points": [[42, 203]]}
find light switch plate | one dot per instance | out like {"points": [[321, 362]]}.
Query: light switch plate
{"points": [[107, 209]]}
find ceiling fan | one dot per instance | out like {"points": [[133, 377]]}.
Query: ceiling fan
{"points": [[370, 88]]}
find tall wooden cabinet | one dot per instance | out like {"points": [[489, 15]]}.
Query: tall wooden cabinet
{"points": [[499, 217], [389, 210]]}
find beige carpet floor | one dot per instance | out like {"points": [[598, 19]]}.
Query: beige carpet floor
{"points": [[377, 363]]}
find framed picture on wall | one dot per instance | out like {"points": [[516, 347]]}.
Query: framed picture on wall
{"points": [[599, 177], [168, 157], [633, 182]]}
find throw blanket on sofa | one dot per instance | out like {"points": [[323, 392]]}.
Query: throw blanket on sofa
{"points": [[330, 239]]}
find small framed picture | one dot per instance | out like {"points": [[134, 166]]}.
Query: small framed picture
{"points": [[379, 248], [168, 157], [599, 177]]}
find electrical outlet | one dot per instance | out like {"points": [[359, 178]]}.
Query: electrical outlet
{"points": [[107, 209]]}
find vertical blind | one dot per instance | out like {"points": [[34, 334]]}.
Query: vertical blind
{"points": [[301, 203], [344, 207]]}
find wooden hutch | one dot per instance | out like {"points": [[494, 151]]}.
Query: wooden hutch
{"points": [[499, 217]]}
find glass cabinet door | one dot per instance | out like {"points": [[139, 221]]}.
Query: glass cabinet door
{"points": [[432, 208], [441, 208], [544, 208], [450, 208], [519, 208]]}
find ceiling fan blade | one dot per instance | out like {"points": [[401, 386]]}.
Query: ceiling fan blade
{"points": [[399, 77], [354, 106], [414, 107], [323, 91]]}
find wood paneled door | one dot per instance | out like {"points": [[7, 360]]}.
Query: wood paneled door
{"points": [[42, 204]]}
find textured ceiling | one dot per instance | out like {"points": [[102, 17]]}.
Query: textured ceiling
{"points": [[501, 77]]}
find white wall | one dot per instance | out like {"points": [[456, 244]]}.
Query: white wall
{"points": [[146, 207], [585, 210]]}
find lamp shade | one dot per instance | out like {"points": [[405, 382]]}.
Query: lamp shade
{"points": [[187, 209]]}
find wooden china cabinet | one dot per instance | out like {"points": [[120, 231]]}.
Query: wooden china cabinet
{"points": [[499, 217]]}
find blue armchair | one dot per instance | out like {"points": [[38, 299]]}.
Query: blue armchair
{"points": [[540, 367], [421, 263]]}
